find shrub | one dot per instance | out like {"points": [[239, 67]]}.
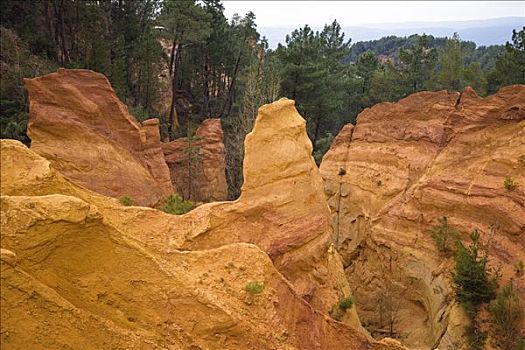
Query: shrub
{"points": [[346, 303], [507, 314], [509, 184], [175, 205], [472, 280], [126, 200], [338, 310], [255, 287], [444, 236]]}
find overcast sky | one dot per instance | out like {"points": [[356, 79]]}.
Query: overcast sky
{"points": [[350, 13]]}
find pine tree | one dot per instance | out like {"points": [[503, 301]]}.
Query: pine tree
{"points": [[474, 284], [510, 66], [452, 61], [418, 63], [314, 75]]}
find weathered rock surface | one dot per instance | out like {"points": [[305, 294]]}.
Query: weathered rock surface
{"points": [[85, 285], [406, 164], [281, 209], [90, 273], [77, 122], [197, 165]]}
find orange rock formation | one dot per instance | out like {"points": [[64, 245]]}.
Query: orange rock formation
{"points": [[197, 166], [80, 270], [78, 123], [403, 166]]}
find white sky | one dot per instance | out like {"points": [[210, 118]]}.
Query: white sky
{"points": [[350, 13]]}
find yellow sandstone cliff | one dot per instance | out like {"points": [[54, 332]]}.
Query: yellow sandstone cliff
{"points": [[79, 270]]}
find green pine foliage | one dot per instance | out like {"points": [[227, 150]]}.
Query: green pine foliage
{"points": [[175, 205], [215, 67], [474, 77], [16, 63], [474, 284], [338, 310], [509, 183], [346, 303], [126, 201], [445, 236], [392, 46], [418, 63], [389, 84], [313, 74], [507, 314], [452, 65], [509, 68]]}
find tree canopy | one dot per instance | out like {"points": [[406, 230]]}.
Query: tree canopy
{"points": [[184, 61]]}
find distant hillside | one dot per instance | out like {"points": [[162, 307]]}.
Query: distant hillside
{"points": [[495, 31], [390, 45]]}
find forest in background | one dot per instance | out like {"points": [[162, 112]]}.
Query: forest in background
{"points": [[184, 61]]}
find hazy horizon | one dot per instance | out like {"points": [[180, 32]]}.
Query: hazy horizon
{"points": [[364, 25], [362, 13]]}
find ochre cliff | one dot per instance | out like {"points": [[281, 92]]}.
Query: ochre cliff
{"points": [[88, 286], [197, 164], [281, 209], [403, 166], [80, 270], [77, 122]]}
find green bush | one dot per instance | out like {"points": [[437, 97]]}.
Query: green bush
{"points": [[474, 283], [175, 205], [338, 310], [255, 287], [509, 184], [444, 236], [126, 200], [507, 314], [346, 303]]}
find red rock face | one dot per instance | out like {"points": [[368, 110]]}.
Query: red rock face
{"points": [[408, 163], [78, 123], [197, 167]]}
